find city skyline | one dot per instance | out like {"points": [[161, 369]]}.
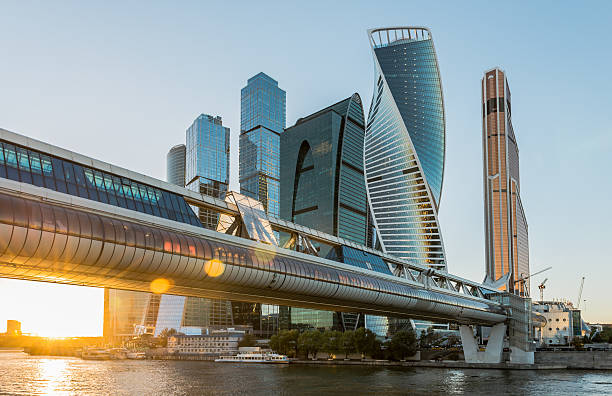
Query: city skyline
{"points": [[466, 260]]}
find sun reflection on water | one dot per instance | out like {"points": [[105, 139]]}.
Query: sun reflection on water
{"points": [[53, 376]]}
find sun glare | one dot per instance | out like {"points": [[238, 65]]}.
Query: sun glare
{"points": [[160, 285], [214, 268]]}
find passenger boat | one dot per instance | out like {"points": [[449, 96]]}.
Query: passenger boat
{"points": [[254, 357], [96, 354], [136, 355]]}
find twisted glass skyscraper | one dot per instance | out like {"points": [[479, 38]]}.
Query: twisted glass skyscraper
{"points": [[405, 145]]}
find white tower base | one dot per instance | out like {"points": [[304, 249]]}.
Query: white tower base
{"points": [[495, 346]]}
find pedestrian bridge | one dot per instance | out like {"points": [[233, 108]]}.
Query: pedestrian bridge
{"points": [[70, 219]]}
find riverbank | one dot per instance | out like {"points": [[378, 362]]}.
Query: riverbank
{"points": [[597, 360], [433, 364]]}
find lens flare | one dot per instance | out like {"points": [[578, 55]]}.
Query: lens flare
{"points": [[214, 268], [160, 285]]}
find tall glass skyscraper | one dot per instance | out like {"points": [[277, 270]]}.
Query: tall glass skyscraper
{"points": [[175, 165], [207, 162], [506, 247], [323, 187], [405, 145], [128, 313], [262, 120]]}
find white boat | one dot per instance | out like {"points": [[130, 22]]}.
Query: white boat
{"points": [[254, 357], [136, 355], [96, 354]]}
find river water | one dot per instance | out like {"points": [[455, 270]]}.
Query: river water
{"points": [[21, 374]]}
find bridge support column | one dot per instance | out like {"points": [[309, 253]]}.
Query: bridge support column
{"points": [[495, 346]]}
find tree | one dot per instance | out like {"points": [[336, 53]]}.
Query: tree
{"points": [[452, 340], [347, 345], [403, 344], [275, 344], [248, 340], [311, 342], [365, 341], [429, 338], [163, 336], [578, 342], [290, 339], [333, 342], [285, 342]]}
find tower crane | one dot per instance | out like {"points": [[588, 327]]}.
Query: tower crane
{"points": [[522, 279], [580, 293], [542, 287]]}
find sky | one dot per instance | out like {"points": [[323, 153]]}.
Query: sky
{"points": [[122, 81]]}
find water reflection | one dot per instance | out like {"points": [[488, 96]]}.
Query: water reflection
{"points": [[53, 376], [21, 374]]}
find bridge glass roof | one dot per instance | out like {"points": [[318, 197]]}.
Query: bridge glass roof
{"points": [[33, 167]]}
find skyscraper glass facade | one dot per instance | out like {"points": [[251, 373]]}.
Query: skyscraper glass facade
{"points": [[175, 165], [322, 180], [405, 145], [128, 313], [262, 120], [323, 187], [207, 162], [506, 234]]}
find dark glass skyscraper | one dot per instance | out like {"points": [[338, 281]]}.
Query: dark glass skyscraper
{"points": [[322, 181], [262, 120], [506, 236], [323, 187], [405, 145], [207, 162]]}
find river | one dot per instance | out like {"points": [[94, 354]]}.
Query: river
{"points": [[21, 374]]}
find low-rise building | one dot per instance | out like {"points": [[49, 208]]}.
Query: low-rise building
{"points": [[563, 323], [213, 344]]}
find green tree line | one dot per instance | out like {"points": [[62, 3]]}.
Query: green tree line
{"points": [[342, 344]]}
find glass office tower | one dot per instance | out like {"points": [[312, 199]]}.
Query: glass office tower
{"points": [[175, 165], [404, 152], [262, 120], [128, 313], [323, 187], [405, 145], [207, 162], [322, 179], [506, 247]]}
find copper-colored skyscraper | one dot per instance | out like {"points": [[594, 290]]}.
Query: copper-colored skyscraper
{"points": [[507, 249]]}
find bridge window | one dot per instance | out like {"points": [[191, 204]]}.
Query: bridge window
{"points": [[32, 167]]}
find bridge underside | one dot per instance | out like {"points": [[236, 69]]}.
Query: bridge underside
{"points": [[47, 239]]}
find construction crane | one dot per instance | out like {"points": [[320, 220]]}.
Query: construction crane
{"points": [[542, 287], [580, 293], [522, 279]]}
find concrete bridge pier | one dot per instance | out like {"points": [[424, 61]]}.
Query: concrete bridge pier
{"points": [[495, 347]]}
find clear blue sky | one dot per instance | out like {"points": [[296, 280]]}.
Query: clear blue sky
{"points": [[121, 81]]}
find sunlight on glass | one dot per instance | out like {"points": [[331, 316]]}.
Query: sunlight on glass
{"points": [[160, 285], [214, 267], [265, 256]]}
